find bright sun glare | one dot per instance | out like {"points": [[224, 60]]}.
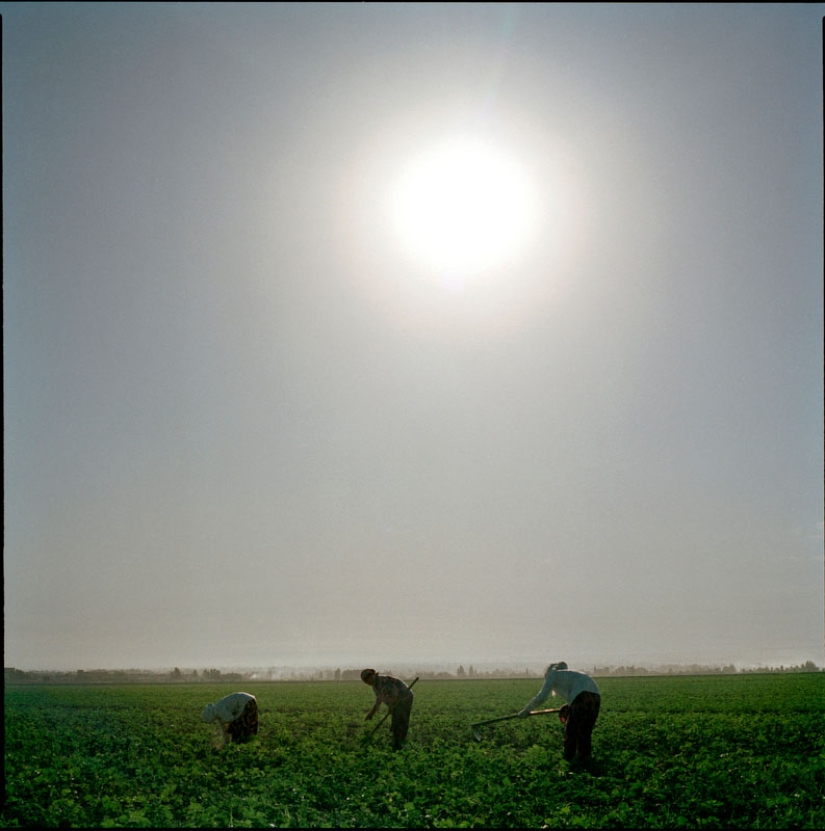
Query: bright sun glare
{"points": [[462, 208]]}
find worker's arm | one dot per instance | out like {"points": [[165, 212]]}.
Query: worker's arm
{"points": [[374, 710], [539, 697], [224, 732]]}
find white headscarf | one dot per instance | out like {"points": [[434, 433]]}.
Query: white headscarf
{"points": [[208, 713]]}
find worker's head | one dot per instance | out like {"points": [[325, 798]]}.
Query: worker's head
{"points": [[208, 713], [368, 676], [555, 667]]}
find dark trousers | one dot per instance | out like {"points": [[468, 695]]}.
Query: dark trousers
{"points": [[400, 723], [246, 724], [584, 710]]}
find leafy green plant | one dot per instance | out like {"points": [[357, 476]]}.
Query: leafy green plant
{"points": [[673, 752]]}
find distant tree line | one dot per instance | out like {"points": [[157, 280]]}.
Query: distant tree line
{"points": [[698, 669], [808, 666], [11, 675], [134, 676], [429, 674]]}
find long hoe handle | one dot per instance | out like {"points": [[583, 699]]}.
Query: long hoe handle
{"points": [[515, 715]]}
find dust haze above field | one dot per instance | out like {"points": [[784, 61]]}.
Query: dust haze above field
{"points": [[246, 424]]}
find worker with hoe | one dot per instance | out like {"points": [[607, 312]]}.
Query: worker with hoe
{"points": [[399, 699], [237, 716], [579, 714]]}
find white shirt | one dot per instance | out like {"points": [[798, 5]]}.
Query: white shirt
{"points": [[564, 682], [228, 708]]}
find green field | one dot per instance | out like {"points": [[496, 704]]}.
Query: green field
{"points": [[744, 751]]}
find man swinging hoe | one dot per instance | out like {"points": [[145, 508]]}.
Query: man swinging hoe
{"points": [[578, 716], [399, 699]]}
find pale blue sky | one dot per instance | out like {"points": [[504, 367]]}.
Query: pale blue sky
{"points": [[242, 427]]}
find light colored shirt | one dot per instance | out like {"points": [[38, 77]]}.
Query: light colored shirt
{"points": [[564, 682], [228, 708]]}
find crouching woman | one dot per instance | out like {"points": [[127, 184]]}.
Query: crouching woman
{"points": [[237, 716]]}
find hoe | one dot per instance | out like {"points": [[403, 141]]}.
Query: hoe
{"points": [[477, 724]]}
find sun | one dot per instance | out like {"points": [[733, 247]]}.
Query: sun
{"points": [[463, 208]]}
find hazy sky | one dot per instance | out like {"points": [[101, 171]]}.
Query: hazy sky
{"points": [[246, 424]]}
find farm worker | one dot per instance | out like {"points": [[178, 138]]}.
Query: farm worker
{"points": [[579, 714], [399, 700], [237, 715]]}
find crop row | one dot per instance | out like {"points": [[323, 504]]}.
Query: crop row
{"points": [[668, 752]]}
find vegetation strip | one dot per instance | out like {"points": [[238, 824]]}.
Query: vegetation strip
{"points": [[711, 751]]}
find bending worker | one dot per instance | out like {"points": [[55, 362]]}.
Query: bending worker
{"points": [[236, 714], [399, 699], [581, 711]]}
